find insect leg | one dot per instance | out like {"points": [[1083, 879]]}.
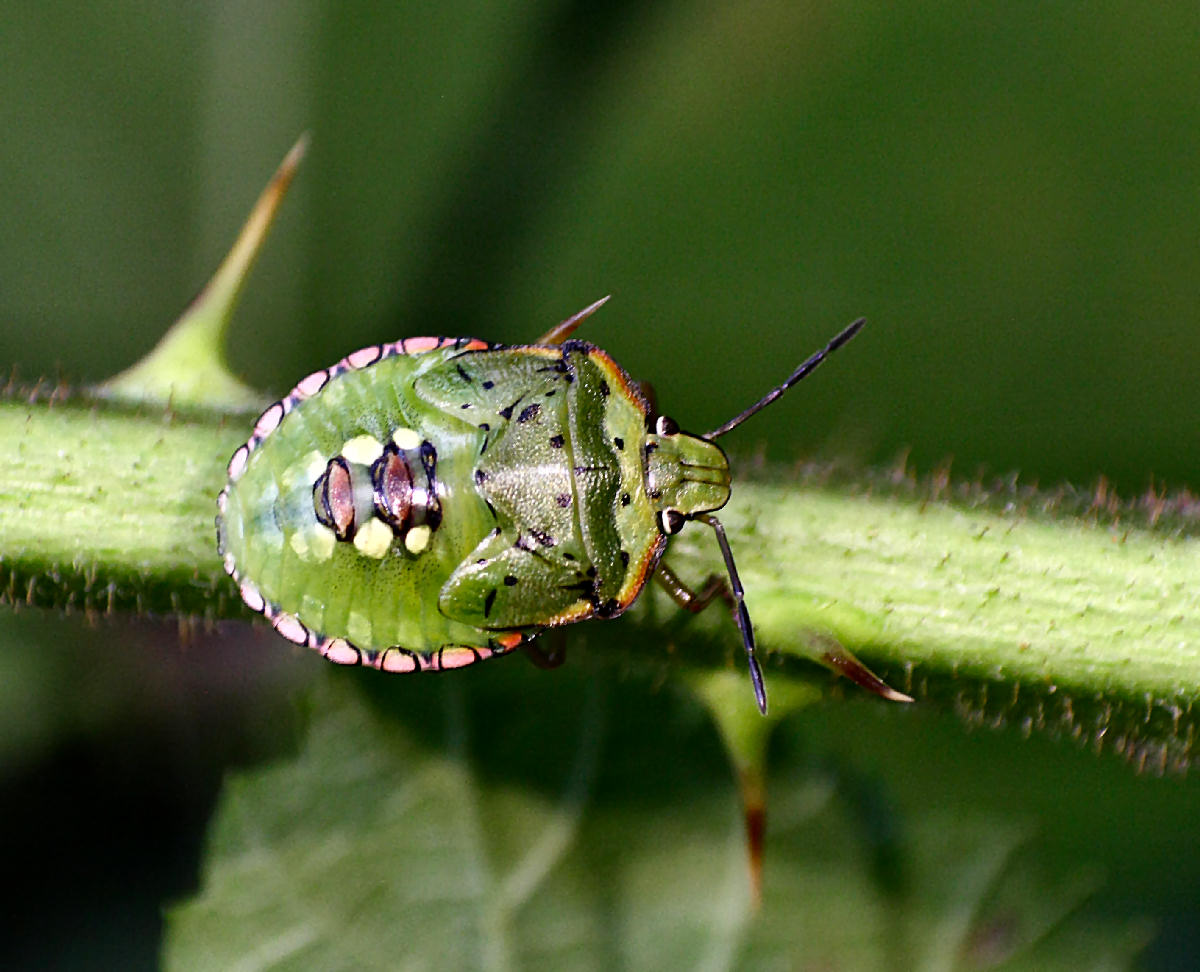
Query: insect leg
{"points": [[740, 615], [551, 658], [714, 586], [564, 329]]}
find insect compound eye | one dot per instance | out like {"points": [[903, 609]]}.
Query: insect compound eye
{"points": [[671, 522], [666, 426]]}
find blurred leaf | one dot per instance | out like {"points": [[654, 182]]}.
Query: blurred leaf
{"points": [[408, 834]]}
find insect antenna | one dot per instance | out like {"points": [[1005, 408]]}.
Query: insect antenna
{"points": [[802, 372], [740, 614]]}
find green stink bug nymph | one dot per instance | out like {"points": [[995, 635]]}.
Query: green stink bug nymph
{"points": [[429, 503]]}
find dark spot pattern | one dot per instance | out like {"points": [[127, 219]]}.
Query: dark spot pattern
{"points": [[510, 581], [618, 442], [529, 412], [563, 500], [556, 441], [488, 602], [333, 499], [392, 483], [625, 499]]}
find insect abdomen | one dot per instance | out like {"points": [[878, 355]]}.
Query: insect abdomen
{"points": [[351, 513]]}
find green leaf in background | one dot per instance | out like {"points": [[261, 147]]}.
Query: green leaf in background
{"points": [[448, 825]]}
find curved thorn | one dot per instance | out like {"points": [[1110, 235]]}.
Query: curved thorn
{"points": [[844, 663], [564, 329]]}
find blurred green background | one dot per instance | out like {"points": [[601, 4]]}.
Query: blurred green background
{"points": [[1009, 194]]}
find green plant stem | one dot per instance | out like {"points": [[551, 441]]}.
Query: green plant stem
{"points": [[1035, 612], [109, 510]]}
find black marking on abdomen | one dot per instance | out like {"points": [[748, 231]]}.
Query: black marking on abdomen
{"points": [[399, 477], [506, 412], [401, 483], [333, 498]]}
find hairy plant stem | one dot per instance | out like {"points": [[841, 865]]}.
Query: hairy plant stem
{"points": [[1057, 611]]}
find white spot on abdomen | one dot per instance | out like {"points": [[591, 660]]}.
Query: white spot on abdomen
{"points": [[362, 448], [373, 538], [406, 439], [417, 539]]}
